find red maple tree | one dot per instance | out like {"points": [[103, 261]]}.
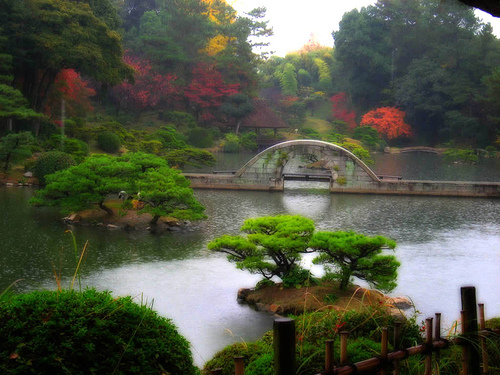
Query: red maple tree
{"points": [[207, 89], [341, 110], [149, 90], [388, 121], [70, 87]]}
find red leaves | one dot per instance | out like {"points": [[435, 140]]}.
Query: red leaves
{"points": [[388, 121], [74, 90], [341, 111], [150, 88], [207, 88]]}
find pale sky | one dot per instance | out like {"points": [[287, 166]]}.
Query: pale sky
{"points": [[293, 21]]}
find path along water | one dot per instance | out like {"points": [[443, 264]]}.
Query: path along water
{"points": [[443, 243]]}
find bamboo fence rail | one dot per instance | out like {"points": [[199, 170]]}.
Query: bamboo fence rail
{"points": [[472, 340]]}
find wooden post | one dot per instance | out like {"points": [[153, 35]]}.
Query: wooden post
{"points": [[343, 347], [216, 371], [428, 343], [482, 326], [463, 322], [437, 337], [384, 350], [239, 366], [397, 334], [284, 346], [329, 357], [469, 305]]}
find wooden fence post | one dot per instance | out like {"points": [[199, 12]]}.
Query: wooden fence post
{"points": [[397, 344], [469, 306], [384, 350], [239, 366], [437, 337], [329, 357], [343, 347], [284, 346], [482, 326], [428, 343]]}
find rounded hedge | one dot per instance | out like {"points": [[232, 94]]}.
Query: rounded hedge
{"points": [[88, 332], [108, 142], [51, 162]]}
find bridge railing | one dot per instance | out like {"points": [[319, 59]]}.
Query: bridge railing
{"points": [[472, 340]]}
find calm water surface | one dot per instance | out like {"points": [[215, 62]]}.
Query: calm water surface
{"points": [[443, 243]]}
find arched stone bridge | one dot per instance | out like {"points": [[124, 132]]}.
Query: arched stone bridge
{"points": [[345, 172]]}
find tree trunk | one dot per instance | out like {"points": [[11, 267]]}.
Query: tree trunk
{"points": [[107, 209], [154, 220]]}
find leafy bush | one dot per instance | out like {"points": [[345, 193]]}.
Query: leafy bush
{"points": [[461, 156], [180, 118], [200, 137], [248, 141], [263, 283], [75, 147], [170, 138], [69, 332], [231, 143], [261, 366], [297, 278], [151, 147], [108, 142], [368, 135], [51, 162]]}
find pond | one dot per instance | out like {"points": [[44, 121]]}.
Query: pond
{"points": [[443, 243]]}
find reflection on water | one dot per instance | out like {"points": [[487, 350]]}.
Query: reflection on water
{"points": [[443, 243]]}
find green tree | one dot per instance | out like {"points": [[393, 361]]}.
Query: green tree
{"points": [[14, 147], [46, 36], [356, 255], [288, 81], [165, 192], [189, 156], [80, 186], [272, 247]]}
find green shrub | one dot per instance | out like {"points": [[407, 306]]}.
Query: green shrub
{"points": [[108, 142], [91, 332], [200, 137], [263, 283], [180, 118], [170, 138], [151, 147], [231, 143], [251, 352], [461, 156], [248, 141], [297, 278], [51, 162], [261, 366]]}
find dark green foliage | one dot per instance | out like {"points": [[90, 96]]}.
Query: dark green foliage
{"points": [[68, 332], [108, 142], [312, 330], [298, 278], [263, 283], [367, 135], [75, 147], [189, 156], [169, 138], [51, 162], [251, 352], [200, 137], [231, 144], [357, 255], [461, 156], [180, 119], [14, 148], [248, 141], [273, 246]]}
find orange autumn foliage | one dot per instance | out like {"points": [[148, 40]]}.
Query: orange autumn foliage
{"points": [[388, 121]]}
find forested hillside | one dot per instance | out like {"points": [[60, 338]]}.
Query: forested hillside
{"points": [[420, 72]]}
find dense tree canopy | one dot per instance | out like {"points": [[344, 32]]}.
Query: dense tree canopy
{"points": [[273, 246]]}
